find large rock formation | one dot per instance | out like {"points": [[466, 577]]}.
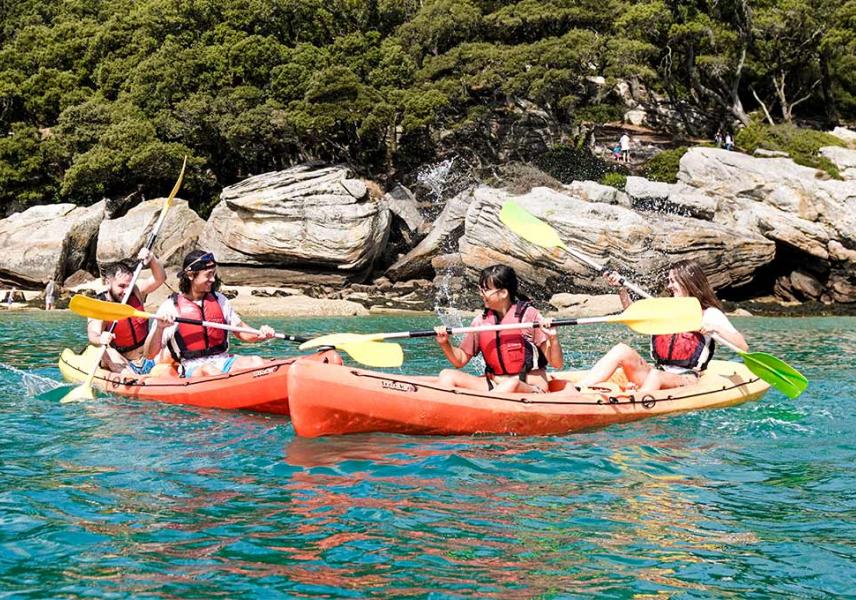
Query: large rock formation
{"points": [[47, 242], [811, 218], [747, 220], [295, 223], [444, 235], [646, 107], [638, 243], [123, 237], [842, 133]]}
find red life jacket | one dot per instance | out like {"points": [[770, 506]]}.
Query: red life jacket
{"points": [[195, 341], [129, 334], [509, 352], [690, 350]]}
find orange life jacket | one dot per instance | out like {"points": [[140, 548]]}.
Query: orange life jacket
{"points": [[129, 334], [196, 341], [509, 352]]}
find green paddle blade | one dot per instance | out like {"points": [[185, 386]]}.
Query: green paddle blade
{"points": [[661, 316], [529, 227], [79, 394], [776, 372]]}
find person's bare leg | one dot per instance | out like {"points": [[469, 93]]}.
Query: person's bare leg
{"points": [[620, 356], [247, 362], [661, 380], [455, 378], [207, 370], [113, 361], [516, 386]]}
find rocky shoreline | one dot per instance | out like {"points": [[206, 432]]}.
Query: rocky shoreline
{"points": [[252, 302], [774, 238]]}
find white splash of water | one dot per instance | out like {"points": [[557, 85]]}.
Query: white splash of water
{"points": [[436, 178], [34, 384]]}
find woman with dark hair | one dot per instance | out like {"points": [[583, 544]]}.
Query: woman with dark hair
{"points": [[679, 358], [201, 350], [515, 359]]}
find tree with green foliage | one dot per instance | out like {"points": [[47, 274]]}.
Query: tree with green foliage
{"points": [[102, 98]]}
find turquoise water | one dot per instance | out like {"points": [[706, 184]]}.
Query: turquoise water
{"points": [[129, 499]]}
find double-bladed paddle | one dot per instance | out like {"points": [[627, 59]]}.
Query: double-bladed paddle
{"points": [[771, 369], [651, 316], [84, 391], [371, 353]]}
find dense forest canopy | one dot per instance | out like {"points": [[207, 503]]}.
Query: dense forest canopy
{"points": [[103, 97]]}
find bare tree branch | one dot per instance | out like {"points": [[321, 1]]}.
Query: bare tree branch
{"points": [[763, 106]]}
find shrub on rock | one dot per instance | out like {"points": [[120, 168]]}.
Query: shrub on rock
{"points": [[803, 145]]}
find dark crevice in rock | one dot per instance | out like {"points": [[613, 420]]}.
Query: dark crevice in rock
{"points": [[774, 278]]}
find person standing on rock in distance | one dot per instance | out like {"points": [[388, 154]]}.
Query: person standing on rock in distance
{"points": [[201, 351], [515, 360], [50, 292], [679, 358], [125, 343], [624, 142]]}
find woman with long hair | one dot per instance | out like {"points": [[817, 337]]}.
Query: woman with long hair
{"points": [[679, 358], [515, 359]]}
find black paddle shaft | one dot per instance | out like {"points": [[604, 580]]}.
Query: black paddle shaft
{"points": [[451, 330], [282, 336]]}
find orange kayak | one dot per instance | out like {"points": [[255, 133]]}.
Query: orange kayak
{"points": [[329, 399], [263, 389]]}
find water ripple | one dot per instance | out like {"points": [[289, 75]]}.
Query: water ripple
{"points": [[123, 498]]}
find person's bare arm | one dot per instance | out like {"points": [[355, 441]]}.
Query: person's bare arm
{"points": [[455, 355], [150, 284], [95, 333], [265, 333]]}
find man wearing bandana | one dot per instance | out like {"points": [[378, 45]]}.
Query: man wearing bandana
{"points": [[201, 351]]}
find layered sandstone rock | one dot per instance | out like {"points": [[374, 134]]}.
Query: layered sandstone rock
{"points": [[123, 237], [799, 208], [642, 244], [302, 221], [48, 242], [443, 237]]}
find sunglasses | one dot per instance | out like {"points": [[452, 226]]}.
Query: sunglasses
{"points": [[487, 293], [205, 261]]}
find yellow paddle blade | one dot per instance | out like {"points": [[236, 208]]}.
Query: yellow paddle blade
{"points": [[176, 187], [374, 354], [103, 310], [529, 227], [85, 391], [363, 348], [338, 340], [659, 316]]}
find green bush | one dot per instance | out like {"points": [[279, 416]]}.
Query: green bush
{"points": [[664, 166], [567, 164], [802, 145], [598, 113], [615, 179]]}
